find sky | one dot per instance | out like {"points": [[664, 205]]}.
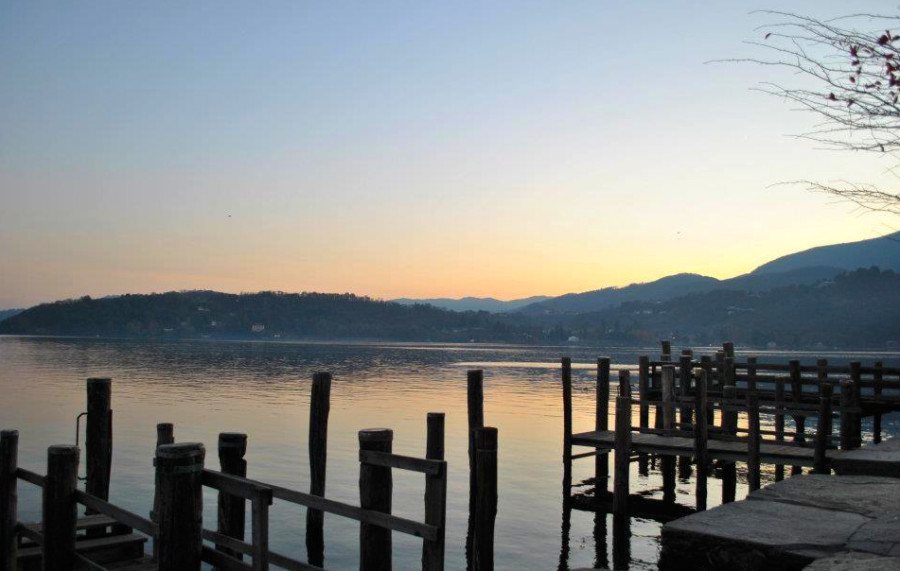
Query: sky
{"points": [[400, 149]]}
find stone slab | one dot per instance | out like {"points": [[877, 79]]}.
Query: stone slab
{"points": [[880, 535], [867, 495], [855, 561], [874, 460]]}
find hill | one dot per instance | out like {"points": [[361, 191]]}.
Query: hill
{"points": [[7, 313], [475, 303], [883, 252], [265, 315], [858, 309]]}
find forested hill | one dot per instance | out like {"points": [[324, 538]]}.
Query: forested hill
{"points": [[265, 315]]}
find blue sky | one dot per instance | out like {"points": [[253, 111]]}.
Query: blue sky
{"points": [[398, 148]]}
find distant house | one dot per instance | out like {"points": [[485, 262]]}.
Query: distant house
{"points": [[574, 339], [257, 328]]}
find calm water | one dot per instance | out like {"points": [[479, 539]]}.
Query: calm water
{"points": [[263, 389]]}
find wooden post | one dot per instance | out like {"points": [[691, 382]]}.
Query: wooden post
{"points": [[232, 509], [567, 408], [622, 446], [753, 442], [9, 499], [799, 419], [700, 441], [98, 438], [751, 374], [179, 472], [262, 499], [375, 493], [856, 414], [779, 424], [475, 404], [729, 424], [823, 429], [435, 495], [165, 434], [728, 349], [846, 403], [667, 463], [486, 502], [685, 372], [666, 350], [319, 407], [878, 378], [601, 461], [60, 512], [706, 365], [720, 368], [644, 409]]}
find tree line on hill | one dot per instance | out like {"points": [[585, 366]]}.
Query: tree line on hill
{"points": [[859, 309]]}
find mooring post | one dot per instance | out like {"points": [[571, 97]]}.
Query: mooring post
{"points": [[567, 408], [779, 423], [878, 379], [797, 398], [98, 438], [232, 509], [701, 455], [823, 430], [845, 404], [435, 494], [319, 407], [706, 365], [601, 423], [165, 434], [856, 411], [376, 486], [486, 502], [60, 511], [644, 408], [475, 405], [685, 413], [729, 426], [753, 442], [622, 446], [667, 462], [9, 499], [179, 474]]}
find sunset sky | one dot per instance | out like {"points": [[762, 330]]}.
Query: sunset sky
{"points": [[392, 149]]}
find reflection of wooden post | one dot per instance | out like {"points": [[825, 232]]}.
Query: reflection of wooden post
{"points": [[486, 498], [9, 499], [179, 471], [435, 494], [622, 446], [700, 441], [823, 430], [375, 492], [601, 422], [60, 510], [319, 407], [232, 509], [98, 437]]}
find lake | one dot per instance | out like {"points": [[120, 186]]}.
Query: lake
{"points": [[263, 389]]}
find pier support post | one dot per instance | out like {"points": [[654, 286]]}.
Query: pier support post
{"points": [[729, 424], [319, 407], [856, 412], [701, 456], [486, 501], [667, 462], [9, 499], [753, 441], [799, 419], [685, 413], [98, 437], [779, 423], [375, 493], [60, 512], [435, 494], [165, 434], [179, 473], [567, 408], [622, 446], [475, 407], [878, 380], [644, 410], [601, 422], [846, 423], [823, 430], [232, 509], [666, 354]]}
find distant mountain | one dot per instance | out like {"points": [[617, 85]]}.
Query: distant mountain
{"points": [[6, 313], [662, 289], [882, 252], [475, 303], [264, 315]]}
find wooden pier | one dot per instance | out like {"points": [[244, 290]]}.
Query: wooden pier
{"points": [[107, 536]]}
